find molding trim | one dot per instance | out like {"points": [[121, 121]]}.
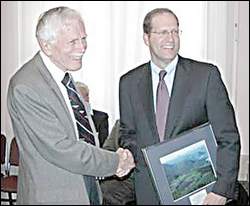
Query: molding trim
{"points": [[244, 168]]}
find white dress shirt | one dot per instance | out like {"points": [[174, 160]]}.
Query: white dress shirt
{"points": [[58, 76], [169, 78]]}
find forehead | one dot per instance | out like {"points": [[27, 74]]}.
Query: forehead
{"points": [[73, 25], [164, 19], [72, 29]]}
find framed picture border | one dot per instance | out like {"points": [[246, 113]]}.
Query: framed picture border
{"points": [[154, 153]]}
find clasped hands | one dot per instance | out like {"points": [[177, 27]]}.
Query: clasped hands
{"points": [[126, 162]]}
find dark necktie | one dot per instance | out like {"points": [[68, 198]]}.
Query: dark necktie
{"points": [[85, 133], [83, 126], [162, 101]]}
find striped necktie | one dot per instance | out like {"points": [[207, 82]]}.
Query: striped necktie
{"points": [[83, 125]]}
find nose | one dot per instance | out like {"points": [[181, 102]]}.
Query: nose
{"points": [[169, 37], [82, 45]]}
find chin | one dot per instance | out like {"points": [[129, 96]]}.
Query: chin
{"points": [[170, 56], [76, 67]]}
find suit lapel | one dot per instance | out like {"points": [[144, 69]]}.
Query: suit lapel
{"points": [[145, 92], [51, 82], [177, 100]]}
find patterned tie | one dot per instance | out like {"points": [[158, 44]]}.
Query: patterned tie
{"points": [[85, 133], [83, 126], [162, 101]]}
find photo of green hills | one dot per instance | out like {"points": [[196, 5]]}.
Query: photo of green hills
{"points": [[188, 170]]}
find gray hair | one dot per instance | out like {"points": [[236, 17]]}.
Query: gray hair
{"points": [[50, 22], [82, 85], [148, 18]]}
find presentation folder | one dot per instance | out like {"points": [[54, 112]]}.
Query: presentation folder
{"points": [[184, 169]]}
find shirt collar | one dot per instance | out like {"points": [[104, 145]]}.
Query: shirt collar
{"points": [[56, 72], [169, 69]]}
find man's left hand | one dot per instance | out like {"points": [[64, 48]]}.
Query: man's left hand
{"points": [[214, 199]]}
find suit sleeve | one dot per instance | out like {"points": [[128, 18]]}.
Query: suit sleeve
{"points": [[222, 118], [127, 123], [34, 121]]}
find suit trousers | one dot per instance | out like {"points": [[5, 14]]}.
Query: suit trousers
{"points": [[91, 187]]}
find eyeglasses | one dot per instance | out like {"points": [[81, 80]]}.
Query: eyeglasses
{"points": [[174, 32]]}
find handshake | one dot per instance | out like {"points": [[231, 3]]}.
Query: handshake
{"points": [[126, 162]]}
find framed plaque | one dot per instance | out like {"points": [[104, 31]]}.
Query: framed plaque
{"points": [[184, 169]]}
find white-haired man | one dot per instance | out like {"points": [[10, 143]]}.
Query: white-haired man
{"points": [[56, 166]]}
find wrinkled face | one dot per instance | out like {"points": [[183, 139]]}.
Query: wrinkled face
{"points": [[163, 40], [70, 45]]}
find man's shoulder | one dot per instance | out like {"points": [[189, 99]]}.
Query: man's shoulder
{"points": [[136, 72], [195, 63], [26, 70], [200, 69]]}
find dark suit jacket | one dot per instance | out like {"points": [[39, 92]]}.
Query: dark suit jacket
{"points": [[198, 96], [101, 124]]}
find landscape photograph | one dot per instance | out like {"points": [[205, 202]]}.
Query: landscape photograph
{"points": [[188, 169]]}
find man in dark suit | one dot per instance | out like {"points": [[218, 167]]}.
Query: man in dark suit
{"points": [[100, 118], [194, 94], [56, 164]]}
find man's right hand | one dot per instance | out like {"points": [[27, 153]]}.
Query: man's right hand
{"points": [[126, 162]]}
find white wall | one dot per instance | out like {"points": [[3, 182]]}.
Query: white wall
{"points": [[218, 33], [9, 58], [242, 74], [115, 43], [241, 83]]}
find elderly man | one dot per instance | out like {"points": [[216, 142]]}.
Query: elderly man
{"points": [[59, 153]]}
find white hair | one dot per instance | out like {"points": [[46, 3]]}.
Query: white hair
{"points": [[82, 85], [50, 22]]}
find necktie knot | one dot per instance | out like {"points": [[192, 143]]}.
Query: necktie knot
{"points": [[162, 74], [66, 79], [68, 82]]}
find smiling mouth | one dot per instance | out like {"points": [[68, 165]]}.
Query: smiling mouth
{"points": [[76, 57], [168, 47]]}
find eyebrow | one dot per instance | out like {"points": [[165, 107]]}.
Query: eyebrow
{"points": [[76, 39]]}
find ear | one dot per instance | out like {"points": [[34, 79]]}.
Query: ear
{"points": [[46, 47], [146, 38]]}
